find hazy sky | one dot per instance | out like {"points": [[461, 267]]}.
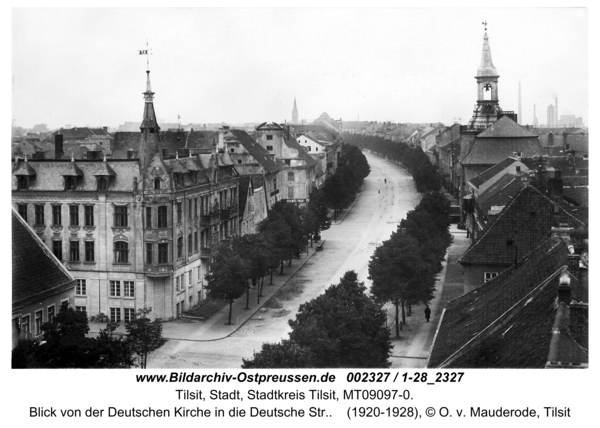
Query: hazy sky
{"points": [[82, 67]]}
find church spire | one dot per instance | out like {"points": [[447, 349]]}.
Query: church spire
{"points": [[486, 68], [295, 112]]}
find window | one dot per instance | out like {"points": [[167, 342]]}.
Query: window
{"points": [[176, 283], [149, 254], [22, 211], [239, 161], [121, 252], [269, 137], [195, 207], [38, 322], [190, 303], [89, 215], [74, 251], [195, 241], [163, 253], [57, 249], [157, 184], [115, 288], [70, 183], [80, 288], [129, 314], [121, 216], [74, 215], [190, 247], [148, 217], [56, 215], [162, 217], [128, 289], [102, 183], [25, 328], [190, 274], [199, 277], [50, 313], [274, 183], [80, 309], [290, 176], [190, 216], [179, 210], [290, 193], [180, 247], [89, 251], [308, 148], [22, 182], [115, 314], [270, 148], [489, 275]]}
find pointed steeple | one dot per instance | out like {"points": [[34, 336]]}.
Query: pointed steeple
{"points": [[295, 112], [486, 68], [150, 143], [149, 121]]}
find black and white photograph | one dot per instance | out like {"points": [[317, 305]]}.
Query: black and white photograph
{"points": [[204, 191]]}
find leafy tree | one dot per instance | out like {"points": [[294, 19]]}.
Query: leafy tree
{"points": [[284, 355], [228, 276], [398, 271], [254, 248], [318, 218], [341, 328], [144, 336], [278, 233], [114, 351], [293, 216]]}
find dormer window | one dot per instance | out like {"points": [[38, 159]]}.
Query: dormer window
{"points": [[70, 183], [22, 182], [157, 184], [102, 184]]}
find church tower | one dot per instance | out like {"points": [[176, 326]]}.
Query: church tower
{"points": [[150, 144], [487, 109], [295, 113]]}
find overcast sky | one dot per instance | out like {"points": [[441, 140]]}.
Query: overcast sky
{"points": [[81, 66]]}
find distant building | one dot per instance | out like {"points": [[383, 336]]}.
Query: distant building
{"points": [[550, 118], [295, 113], [568, 119]]}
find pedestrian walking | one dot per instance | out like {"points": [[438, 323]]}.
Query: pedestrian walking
{"points": [[427, 312], [385, 180]]}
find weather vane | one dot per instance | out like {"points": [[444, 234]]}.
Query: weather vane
{"points": [[147, 52], [484, 25]]}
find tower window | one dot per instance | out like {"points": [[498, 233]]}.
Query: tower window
{"points": [[269, 137], [157, 184], [270, 148]]}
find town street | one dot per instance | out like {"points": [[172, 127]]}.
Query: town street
{"points": [[349, 245]]}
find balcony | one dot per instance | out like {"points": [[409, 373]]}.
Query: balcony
{"points": [[208, 220], [227, 213], [205, 252], [158, 271]]}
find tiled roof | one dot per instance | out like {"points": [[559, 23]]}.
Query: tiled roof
{"points": [[105, 170], [526, 221], [49, 174], [244, 184], [491, 172], [490, 151], [292, 143], [507, 322], [23, 168], [36, 273], [258, 152], [171, 140], [505, 127], [500, 193]]}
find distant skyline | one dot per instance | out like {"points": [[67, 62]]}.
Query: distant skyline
{"points": [[82, 67]]}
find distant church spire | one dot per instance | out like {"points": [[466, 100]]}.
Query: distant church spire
{"points": [[150, 143], [295, 112]]}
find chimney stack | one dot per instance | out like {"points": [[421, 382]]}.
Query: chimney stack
{"points": [[519, 114], [573, 265], [564, 287], [555, 111], [58, 146], [105, 129]]}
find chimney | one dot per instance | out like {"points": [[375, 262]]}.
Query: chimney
{"points": [[105, 129], [550, 139], [58, 146], [130, 154], [165, 153], [94, 154], [555, 111], [555, 187], [564, 287], [183, 153], [578, 322], [573, 265]]}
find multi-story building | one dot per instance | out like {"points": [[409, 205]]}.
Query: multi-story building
{"points": [[134, 232]]}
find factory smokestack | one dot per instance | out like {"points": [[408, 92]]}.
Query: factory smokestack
{"points": [[519, 113], [556, 111]]}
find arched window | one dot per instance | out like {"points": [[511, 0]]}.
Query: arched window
{"points": [[157, 184], [121, 252], [102, 185]]}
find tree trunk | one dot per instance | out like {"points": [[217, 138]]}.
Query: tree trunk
{"points": [[281, 271], [257, 290], [409, 310], [230, 308], [271, 283], [403, 315], [247, 295], [262, 283], [397, 323]]}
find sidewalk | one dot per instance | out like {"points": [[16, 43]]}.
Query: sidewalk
{"points": [[216, 327], [412, 350]]}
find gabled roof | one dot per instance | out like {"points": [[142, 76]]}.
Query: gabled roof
{"points": [[491, 172], [505, 127], [526, 221], [500, 193], [71, 170], [244, 184], [508, 321], [292, 143], [105, 170], [258, 152], [23, 168], [36, 272], [489, 151]]}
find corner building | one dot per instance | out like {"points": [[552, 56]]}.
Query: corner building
{"points": [[134, 232]]}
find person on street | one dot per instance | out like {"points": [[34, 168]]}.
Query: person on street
{"points": [[427, 312]]}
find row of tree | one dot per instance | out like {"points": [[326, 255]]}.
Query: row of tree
{"points": [[341, 328], [65, 343], [340, 189], [425, 174], [404, 268], [284, 234]]}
